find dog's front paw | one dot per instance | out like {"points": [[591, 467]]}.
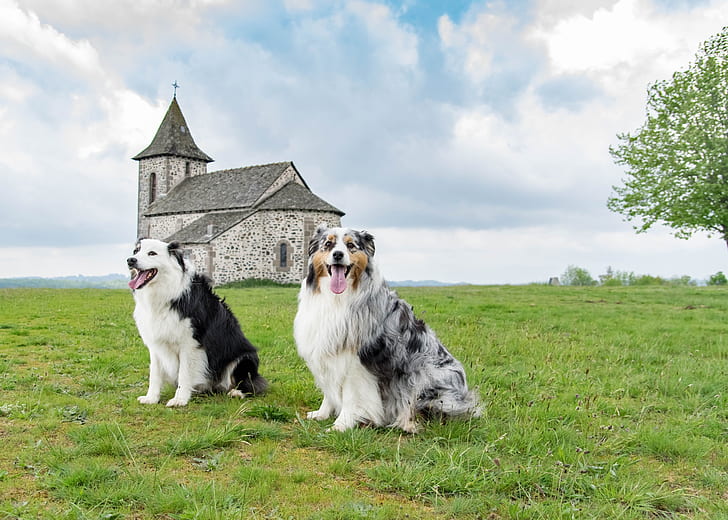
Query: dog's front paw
{"points": [[340, 426], [318, 415], [406, 424], [145, 399], [410, 427], [176, 402]]}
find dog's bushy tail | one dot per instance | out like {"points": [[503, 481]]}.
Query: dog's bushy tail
{"points": [[455, 403], [247, 378], [253, 384]]}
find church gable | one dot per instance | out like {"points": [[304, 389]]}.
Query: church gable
{"points": [[290, 174], [295, 196]]}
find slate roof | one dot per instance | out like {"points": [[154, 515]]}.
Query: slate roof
{"points": [[295, 196], [173, 138], [290, 196], [221, 190], [198, 232]]}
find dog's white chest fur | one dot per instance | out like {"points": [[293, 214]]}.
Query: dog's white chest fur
{"points": [[323, 334], [173, 351], [160, 326], [167, 336], [321, 325]]}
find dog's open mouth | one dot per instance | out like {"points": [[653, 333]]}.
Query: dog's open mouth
{"points": [[140, 278], [338, 274]]}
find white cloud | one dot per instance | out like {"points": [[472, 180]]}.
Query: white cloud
{"points": [[622, 34], [637, 35], [394, 42], [128, 121], [298, 5], [148, 18], [24, 37], [472, 45]]}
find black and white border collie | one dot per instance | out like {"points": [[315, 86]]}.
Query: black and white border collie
{"points": [[195, 343], [374, 361]]}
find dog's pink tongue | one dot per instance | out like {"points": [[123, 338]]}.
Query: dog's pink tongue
{"points": [[135, 282], [338, 279]]}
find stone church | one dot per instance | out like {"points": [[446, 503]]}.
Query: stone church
{"points": [[248, 222]]}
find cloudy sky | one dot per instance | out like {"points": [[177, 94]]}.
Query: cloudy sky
{"points": [[470, 137]]}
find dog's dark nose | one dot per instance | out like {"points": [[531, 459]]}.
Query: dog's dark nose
{"points": [[338, 256], [131, 261]]}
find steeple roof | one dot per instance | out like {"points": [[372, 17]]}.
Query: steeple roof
{"points": [[173, 138]]}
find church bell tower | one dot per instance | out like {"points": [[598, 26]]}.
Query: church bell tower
{"points": [[171, 158]]}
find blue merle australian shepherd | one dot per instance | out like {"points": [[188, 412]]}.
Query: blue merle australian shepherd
{"points": [[374, 361], [194, 341]]}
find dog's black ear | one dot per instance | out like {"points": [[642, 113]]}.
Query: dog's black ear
{"points": [[175, 251], [138, 245], [366, 240], [313, 244]]}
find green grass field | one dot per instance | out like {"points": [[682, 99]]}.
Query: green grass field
{"points": [[599, 403]]}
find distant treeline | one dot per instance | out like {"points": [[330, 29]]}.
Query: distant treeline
{"points": [[579, 276], [119, 281], [109, 281]]}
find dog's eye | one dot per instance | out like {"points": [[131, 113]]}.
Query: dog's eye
{"points": [[152, 253], [351, 246], [136, 250], [329, 244]]}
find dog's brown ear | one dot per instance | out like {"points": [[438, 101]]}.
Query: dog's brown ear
{"points": [[175, 251], [366, 240]]}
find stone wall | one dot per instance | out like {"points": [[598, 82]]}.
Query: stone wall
{"points": [[252, 248], [201, 256], [161, 227], [179, 168], [169, 172]]}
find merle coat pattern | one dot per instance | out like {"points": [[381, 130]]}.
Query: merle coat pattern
{"points": [[375, 362]]}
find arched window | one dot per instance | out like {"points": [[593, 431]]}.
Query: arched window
{"points": [[152, 187], [283, 256]]}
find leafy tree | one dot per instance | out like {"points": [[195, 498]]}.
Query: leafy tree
{"points": [[577, 276], [648, 279], [677, 162], [617, 278], [718, 279]]}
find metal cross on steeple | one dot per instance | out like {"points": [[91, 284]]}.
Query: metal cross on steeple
{"points": [[176, 86]]}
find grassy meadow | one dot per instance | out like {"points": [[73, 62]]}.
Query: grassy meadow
{"points": [[598, 403]]}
